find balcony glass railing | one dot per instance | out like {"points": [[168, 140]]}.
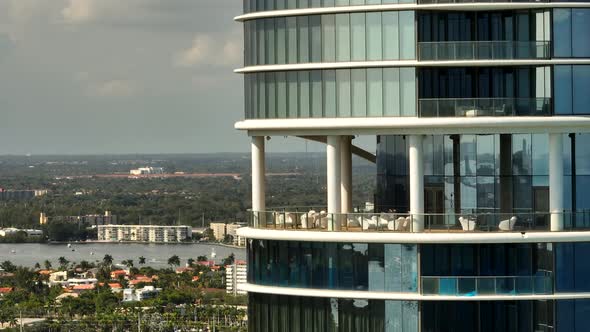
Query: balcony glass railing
{"points": [[484, 285], [318, 220], [472, 107], [483, 50]]}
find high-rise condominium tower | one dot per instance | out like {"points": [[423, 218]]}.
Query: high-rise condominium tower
{"points": [[479, 111]]}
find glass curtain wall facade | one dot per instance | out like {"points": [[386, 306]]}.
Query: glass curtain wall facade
{"points": [[520, 34], [330, 38], [340, 93], [461, 182]]}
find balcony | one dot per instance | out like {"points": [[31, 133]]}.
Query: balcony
{"points": [[472, 107], [483, 50], [484, 285], [427, 2], [319, 220]]}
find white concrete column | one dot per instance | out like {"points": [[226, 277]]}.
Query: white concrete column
{"points": [[556, 181], [333, 151], [258, 178], [416, 182], [346, 174]]}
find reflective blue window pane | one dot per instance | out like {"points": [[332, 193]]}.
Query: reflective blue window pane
{"points": [[581, 82], [580, 29], [582, 154], [540, 154], [562, 88], [562, 32], [521, 154]]}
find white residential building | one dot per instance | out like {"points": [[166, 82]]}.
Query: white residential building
{"points": [[147, 171], [145, 293], [30, 232], [236, 276], [144, 233]]}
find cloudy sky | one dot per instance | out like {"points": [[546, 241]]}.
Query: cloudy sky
{"points": [[120, 76]]}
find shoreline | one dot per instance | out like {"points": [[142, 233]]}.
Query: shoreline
{"points": [[127, 242]]}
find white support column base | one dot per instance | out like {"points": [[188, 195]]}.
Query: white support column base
{"points": [[333, 151], [346, 174], [258, 180], [556, 206], [416, 182]]}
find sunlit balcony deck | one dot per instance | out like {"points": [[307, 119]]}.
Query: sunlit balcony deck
{"points": [[321, 221]]}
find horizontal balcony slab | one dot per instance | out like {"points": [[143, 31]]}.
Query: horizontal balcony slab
{"points": [[415, 125], [474, 6], [406, 237], [413, 63], [368, 295]]}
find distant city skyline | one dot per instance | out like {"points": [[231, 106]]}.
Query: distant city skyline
{"points": [[116, 77]]}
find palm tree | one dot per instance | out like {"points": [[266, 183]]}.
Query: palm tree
{"points": [[63, 262], [202, 258], [47, 264], [141, 260], [174, 261], [37, 266], [128, 263], [107, 260], [190, 262]]}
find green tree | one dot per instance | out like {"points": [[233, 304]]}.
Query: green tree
{"points": [[208, 233], [63, 263], [174, 261], [128, 263], [190, 262], [141, 260], [107, 260], [202, 258], [8, 266], [37, 266], [47, 264], [229, 260]]}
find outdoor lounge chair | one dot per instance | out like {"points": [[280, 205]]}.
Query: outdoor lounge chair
{"points": [[508, 224], [467, 224]]}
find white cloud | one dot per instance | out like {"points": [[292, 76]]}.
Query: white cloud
{"points": [[79, 10], [205, 50], [200, 51], [116, 88]]}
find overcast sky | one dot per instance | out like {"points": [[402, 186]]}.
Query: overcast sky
{"points": [[120, 76]]}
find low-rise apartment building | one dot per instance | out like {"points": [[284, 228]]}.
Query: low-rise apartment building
{"points": [[144, 233], [235, 277]]}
